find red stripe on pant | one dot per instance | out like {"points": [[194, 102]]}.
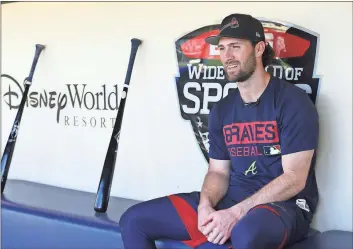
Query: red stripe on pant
{"points": [[189, 217]]}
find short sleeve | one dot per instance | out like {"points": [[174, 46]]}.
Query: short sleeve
{"points": [[299, 124], [218, 149]]}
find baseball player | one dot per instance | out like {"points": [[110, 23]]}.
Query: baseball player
{"points": [[260, 190]]}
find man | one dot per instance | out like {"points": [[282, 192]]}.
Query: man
{"points": [[260, 189]]}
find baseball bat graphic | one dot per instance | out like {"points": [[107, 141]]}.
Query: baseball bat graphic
{"points": [[11, 141], [105, 183]]}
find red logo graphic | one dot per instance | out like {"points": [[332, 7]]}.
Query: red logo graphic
{"points": [[198, 48]]}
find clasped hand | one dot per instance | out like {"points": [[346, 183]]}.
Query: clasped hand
{"points": [[217, 225]]}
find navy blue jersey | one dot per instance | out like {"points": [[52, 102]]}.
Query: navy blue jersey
{"points": [[284, 121]]}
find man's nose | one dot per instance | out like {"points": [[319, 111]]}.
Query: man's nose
{"points": [[228, 54]]}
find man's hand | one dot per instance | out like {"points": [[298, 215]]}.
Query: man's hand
{"points": [[219, 224], [203, 213]]}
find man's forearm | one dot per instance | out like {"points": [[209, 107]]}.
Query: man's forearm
{"points": [[214, 188], [280, 189]]}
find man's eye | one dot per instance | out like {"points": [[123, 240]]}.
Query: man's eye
{"points": [[235, 46]]}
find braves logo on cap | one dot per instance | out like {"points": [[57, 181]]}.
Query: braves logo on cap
{"points": [[233, 24]]}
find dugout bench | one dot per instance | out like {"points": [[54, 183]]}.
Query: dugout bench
{"points": [[39, 216]]}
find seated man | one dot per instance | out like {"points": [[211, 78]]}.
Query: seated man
{"points": [[260, 189]]}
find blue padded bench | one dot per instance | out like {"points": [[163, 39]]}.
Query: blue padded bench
{"points": [[334, 239], [41, 216]]}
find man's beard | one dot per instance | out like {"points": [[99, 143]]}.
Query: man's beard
{"points": [[246, 71]]}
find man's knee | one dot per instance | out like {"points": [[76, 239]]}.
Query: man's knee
{"points": [[243, 236], [129, 218], [140, 215], [259, 229]]}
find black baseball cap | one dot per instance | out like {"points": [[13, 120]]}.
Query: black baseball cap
{"points": [[240, 26]]}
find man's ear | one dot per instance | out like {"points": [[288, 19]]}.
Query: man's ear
{"points": [[260, 48]]}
